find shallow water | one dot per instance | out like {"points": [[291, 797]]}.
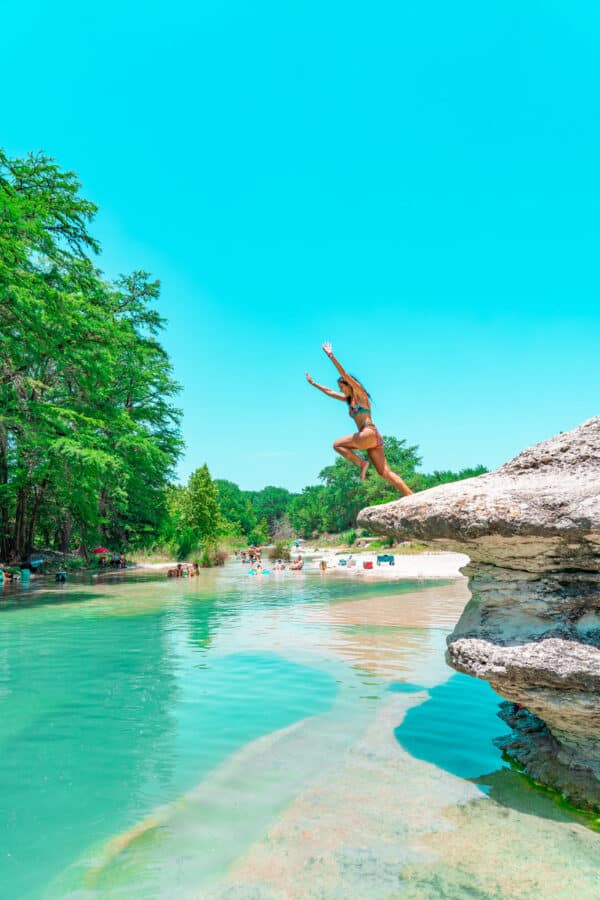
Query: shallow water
{"points": [[288, 736]]}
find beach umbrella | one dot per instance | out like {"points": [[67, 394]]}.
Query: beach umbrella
{"points": [[100, 550]]}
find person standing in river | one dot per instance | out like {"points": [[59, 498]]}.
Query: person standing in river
{"points": [[367, 438]]}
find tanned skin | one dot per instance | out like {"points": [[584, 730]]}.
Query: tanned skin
{"points": [[352, 392]]}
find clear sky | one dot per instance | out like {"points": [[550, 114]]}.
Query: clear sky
{"points": [[416, 182]]}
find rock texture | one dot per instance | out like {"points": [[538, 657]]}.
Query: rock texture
{"points": [[552, 488], [532, 626]]}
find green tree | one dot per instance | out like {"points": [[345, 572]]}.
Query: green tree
{"points": [[307, 510], [235, 507], [260, 534], [272, 504], [177, 535], [200, 506], [88, 433]]}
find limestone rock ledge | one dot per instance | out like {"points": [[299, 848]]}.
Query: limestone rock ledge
{"points": [[532, 626]]}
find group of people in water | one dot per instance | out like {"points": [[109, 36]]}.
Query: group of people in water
{"points": [[253, 558], [25, 573], [295, 565], [252, 555], [184, 571], [117, 561]]}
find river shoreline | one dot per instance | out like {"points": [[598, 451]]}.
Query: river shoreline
{"points": [[406, 565]]}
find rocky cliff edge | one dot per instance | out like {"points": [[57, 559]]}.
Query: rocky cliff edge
{"points": [[532, 627]]}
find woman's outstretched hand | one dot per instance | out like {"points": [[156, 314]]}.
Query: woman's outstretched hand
{"points": [[308, 378], [328, 349]]}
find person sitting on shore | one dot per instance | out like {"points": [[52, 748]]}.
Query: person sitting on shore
{"points": [[367, 438], [297, 566]]}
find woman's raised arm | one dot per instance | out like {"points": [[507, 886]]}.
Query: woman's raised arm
{"points": [[357, 387], [335, 394], [328, 350]]}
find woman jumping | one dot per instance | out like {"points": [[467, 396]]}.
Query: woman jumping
{"points": [[367, 437]]}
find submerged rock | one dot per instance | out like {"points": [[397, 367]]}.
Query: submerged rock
{"points": [[532, 626]]}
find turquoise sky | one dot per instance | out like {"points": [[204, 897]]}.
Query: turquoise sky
{"points": [[417, 183]]}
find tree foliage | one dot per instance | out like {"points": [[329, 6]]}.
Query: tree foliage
{"points": [[88, 430], [307, 510], [270, 504], [255, 516], [194, 521], [235, 508], [201, 505]]}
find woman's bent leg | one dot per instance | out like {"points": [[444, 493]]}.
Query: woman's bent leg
{"points": [[345, 447], [377, 456]]}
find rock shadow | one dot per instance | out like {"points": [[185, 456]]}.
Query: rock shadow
{"points": [[457, 729]]}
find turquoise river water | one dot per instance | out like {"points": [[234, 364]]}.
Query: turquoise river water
{"points": [[284, 736]]}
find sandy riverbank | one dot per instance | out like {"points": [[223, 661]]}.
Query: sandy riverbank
{"points": [[406, 565]]}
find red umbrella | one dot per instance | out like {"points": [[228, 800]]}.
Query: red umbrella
{"points": [[100, 550]]}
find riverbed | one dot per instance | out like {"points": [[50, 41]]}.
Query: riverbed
{"points": [[281, 736]]}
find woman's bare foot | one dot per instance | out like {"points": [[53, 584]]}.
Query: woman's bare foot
{"points": [[363, 469]]}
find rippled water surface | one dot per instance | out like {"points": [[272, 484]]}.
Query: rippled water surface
{"points": [[288, 736]]}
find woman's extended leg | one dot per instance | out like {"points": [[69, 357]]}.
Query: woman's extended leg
{"points": [[346, 446], [377, 456]]}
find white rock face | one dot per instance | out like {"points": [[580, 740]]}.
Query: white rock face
{"points": [[552, 488], [532, 627]]}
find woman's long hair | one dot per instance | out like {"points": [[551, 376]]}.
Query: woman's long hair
{"points": [[342, 380]]}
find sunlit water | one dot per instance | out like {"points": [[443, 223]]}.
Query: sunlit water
{"points": [[283, 736]]}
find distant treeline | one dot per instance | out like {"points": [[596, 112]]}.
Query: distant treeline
{"points": [[88, 431], [206, 510]]}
